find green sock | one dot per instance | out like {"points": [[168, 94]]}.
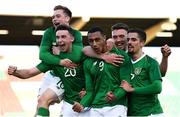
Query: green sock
{"points": [[43, 112]]}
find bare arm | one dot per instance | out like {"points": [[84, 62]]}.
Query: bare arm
{"points": [[166, 51], [23, 73], [113, 59]]}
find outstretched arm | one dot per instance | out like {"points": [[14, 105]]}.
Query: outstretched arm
{"points": [[23, 73], [113, 59], [166, 51]]}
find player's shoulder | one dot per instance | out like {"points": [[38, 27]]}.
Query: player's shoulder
{"points": [[89, 60], [77, 48], [75, 31], [49, 30], [122, 52], [150, 59]]}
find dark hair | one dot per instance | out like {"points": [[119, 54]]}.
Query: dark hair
{"points": [[65, 9], [120, 26], [64, 27], [96, 29], [141, 33]]}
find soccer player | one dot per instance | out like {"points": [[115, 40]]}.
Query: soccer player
{"points": [[103, 94], [72, 78], [146, 82], [61, 15]]}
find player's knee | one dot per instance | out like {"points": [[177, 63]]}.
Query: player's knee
{"points": [[52, 102], [43, 100], [40, 100], [47, 100]]}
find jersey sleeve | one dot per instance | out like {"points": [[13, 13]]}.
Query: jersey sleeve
{"points": [[88, 98], [83, 57], [125, 74], [43, 67], [126, 68], [119, 93], [78, 38], [46, 47], [154, 71], [154, 88]]}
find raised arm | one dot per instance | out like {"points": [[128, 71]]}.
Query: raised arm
{"points": [[23, 73], [166, 51]]}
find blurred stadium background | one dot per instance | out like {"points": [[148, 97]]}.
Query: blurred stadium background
{"points": [[23, 22]]}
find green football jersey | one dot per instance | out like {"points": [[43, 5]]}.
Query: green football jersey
{"points": [[72, 79], [101, 78], [145, 71], [48, 38]]}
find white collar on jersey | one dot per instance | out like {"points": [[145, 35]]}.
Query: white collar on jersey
{"points": [[133, 62]]}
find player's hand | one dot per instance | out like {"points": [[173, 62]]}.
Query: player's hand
{"points": [[56, 50], [110, 96], [126, 86], [11, 70], [113, 59], [165, 50], [68, 63], [77, 107], [110, 43], [82, 93]]}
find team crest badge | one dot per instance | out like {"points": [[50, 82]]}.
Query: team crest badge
{"points": [[137, 71]]}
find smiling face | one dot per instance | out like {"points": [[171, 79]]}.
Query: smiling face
{"points": [[97, 42], [59, 17], [120, 38], [135, 44], [64, 40]]}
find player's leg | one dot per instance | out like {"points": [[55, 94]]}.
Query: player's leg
{"points": [[48, 93], [44, 101], [54, 93], [46, 81]]}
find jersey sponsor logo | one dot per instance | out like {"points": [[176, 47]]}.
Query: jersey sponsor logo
{"points": [[137, 71]]}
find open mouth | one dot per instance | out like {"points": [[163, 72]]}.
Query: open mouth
{"points": [[120, 44], [61, 46], [56, 23]]}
